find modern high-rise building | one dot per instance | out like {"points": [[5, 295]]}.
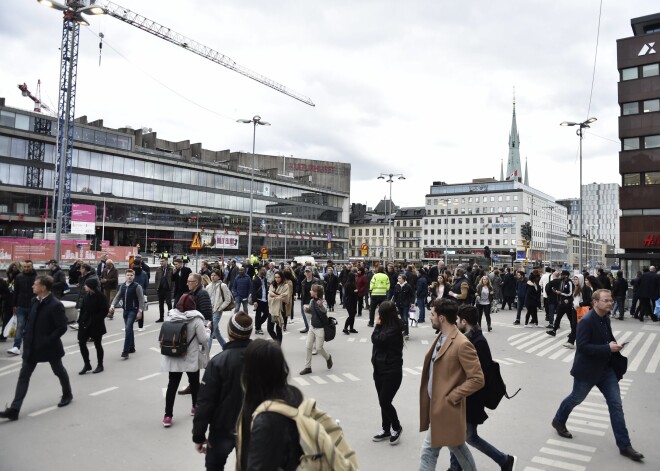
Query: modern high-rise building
{"points": [[638, 62]]}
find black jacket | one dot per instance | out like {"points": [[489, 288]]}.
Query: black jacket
{"points": [[45, 325], [387, 350], [331, 284], [220, 394], [257, 293], [81, 291], [475, 413], [203, 302], [179, 279], [533, 296], [620, 288], [509, 286], [59, 285], [23, 289], [592, 353], [91, 321], [403, 297], [305, 286], [648, 285]]}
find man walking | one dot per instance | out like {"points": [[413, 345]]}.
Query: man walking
{"points": [[305, 295], [59, 279], [180, 279], [451, 373], [260, 300], [164, 288], [23, 294], [468, 323], [240, 289], [592, 367], [564, 303], [647, 291], [109, 282], [46, 323]]}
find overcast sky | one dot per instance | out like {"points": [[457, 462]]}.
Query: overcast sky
{"points": [[422, 88]]}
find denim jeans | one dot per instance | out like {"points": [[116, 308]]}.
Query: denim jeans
{"points": [[303, 314], [216, 331], [241, 302], [129, 339], [421, 305], [480, 444], [429, 455], [619, 305], [609, 386], [21, 319]]}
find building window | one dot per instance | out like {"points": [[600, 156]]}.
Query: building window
{"points": [[651, 105], [631, 143], [359, 231], [629, 74], [631, 179], [652, 178], [650, 70], [651, 142], [630, 108]]}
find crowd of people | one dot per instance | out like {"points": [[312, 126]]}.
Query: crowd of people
{"points": [[247, 372]]}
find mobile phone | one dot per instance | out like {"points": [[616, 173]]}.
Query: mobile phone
{"points": [[624, 344]]}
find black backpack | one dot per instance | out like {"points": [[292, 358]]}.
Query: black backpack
{"points": [[495, 389], [173, 339]]}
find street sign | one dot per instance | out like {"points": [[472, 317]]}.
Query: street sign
{"points": [[264, 253], [364, 248], [196, 244]]}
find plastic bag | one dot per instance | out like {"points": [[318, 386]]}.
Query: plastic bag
{"points": [[10, 328]]}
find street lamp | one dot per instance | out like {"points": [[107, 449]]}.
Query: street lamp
{"points": [[197, 213], [579, 132], [256, 120], [551, 208], [285, 224], [447, 202], [390, 180]]}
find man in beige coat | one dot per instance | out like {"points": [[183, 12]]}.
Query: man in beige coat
{"points": [[451, 373]]}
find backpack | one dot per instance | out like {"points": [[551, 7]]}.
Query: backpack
{"points": [[173, 339], [330, 330], [495, 389], [231, 304], [321, 437]]}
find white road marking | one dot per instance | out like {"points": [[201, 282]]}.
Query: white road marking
{"points": [[9, 371], [153, 375], [557, 344], [593, 411], [42, 411], [642, 353], [302, 337], [588, 431], [154, 349], [531, 468], [566, 454], [630, 348], [300, 381], [335, 378], [653, 363], [103, 391], [530, 338], [411, 371], [572, 446], [513, 337], [540, 345], [594, 404], [502, 362], [425, 342], [351, 377], [583, 415], [420, 368], [13, 365], [570, 357], [558, 464], [351, 339], [318, 380], [164, 391], [587, 423], [515, 361], [363, 340]]}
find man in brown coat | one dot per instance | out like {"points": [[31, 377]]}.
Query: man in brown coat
{"points": [[109, 282], [451, 373]]}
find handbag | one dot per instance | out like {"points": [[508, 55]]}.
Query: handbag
{"points": [[231, 304], [330, 330], [146, 303], [619, 364], [581, 312]]}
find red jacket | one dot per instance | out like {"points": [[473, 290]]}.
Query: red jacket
{"points": [[362, 285]]}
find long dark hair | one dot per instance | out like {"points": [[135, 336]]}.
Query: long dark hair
{"points": [[274, 283], [388, 314], [264, 377], [351, 284]]}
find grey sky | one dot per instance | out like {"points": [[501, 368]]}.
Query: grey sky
{"points": [[422, 88]]}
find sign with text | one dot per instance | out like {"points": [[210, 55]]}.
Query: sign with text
{"points": [[227, 241], [83, 218]]}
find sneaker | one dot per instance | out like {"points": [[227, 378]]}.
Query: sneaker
{"points": [[124, 355], [346, 331], [305, 371], [167, 421], [396, 436], [314, 352], [551, 332], [549, 326], [192, 411], [382, 435], [159, 320], [303, 331], [516, 322], [74, 326], [259, 332], [569, 345], [14, 351], [510, 464], [329, 362], [140, 329], [353, 331]]}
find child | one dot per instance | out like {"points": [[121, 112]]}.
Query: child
{"points": [[316, 334]]}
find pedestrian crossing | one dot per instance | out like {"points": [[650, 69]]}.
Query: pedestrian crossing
{"points": [[642, 349], [590, 418], [325, 379]]}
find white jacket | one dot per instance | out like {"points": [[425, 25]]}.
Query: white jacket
{"points": [[217, 290], [197, 348]]}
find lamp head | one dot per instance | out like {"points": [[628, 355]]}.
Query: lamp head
{"points": [[381, 178], [568, 123], [401, 177]]}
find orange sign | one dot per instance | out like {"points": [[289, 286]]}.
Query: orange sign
{"points": [[196, 244], [264, 253], [364, 248]]}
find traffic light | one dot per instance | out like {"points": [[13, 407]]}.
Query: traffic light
{"points": [[486, 252], [526, 231]]}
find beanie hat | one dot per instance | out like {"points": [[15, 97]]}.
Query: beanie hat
{"points": [[239, 326], [186, 303], [92, 283]]}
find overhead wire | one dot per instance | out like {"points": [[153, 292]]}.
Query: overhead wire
{"points": [[593, 73]]}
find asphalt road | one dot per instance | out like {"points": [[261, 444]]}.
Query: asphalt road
{"points": [[115, 419]]}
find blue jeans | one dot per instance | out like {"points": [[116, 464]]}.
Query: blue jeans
{"points": [[21, 319], [216, 331], [619, 305], [303, 314], [609, 386], [241, 302], [421, 305], [129, 339], [480, 444], [429, 455]]}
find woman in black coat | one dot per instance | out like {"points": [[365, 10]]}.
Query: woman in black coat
{"points": [[91, 323], [331, 284], [350, 302], [508, 289], [387, 360]]}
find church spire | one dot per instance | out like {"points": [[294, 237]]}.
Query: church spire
{"points": [[526, 181], [513, 168]]}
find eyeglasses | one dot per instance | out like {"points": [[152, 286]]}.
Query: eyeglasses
{"points": [[190, 281]]}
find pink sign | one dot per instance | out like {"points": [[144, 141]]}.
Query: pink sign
{"points": [[83, 212]]}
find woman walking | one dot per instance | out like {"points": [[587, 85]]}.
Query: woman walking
{"points": [[387, 360], [220, 298], [195, 358], [485, 295], [351, 302], [315, 337], [331, 284], [532, 300], [497, 289], [290, 280], [277, 294], [91, 323], [362, 283]]}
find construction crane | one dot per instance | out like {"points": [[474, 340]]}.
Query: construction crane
{"points": [[73, 17], [38, 104]]}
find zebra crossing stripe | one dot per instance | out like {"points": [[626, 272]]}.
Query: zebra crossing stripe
{"points": [[583, 415], [513, 337], [653, 363], [515, 361], [336, 378], [318, 380], [300, 381], [351, 377], [605, 413], [572, 446], [559, 353], [566, 454], [587, 423], [503, 362], [641, 354], [558, 464], [528, 338], [540, 345], [588, 431], [545, 351], [411, 371], [594, 404], [363, 340], [425, 342], [352, 339], [570, 357]]}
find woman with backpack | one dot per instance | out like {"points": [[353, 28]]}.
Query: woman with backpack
{"points": [[220, 298], [192, 361], [387, 360], [91, 323], [271, 441]]}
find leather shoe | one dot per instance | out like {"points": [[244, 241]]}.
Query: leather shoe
{"points": [[12, 414], [561, 429], [306, 371], [303, 331], [65, 401], [185, 391], [631, 453]]}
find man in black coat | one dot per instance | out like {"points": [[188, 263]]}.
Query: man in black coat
{"points": [[59, 279], [22, 302], [180, 279], [592, 366], [260, 300], [508, 288], [647, 292], [468, 323], [45, 325]]}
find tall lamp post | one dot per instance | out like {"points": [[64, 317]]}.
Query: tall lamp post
{"points": [[285, 224], [256, 120], [197, 214], [580, 132], [390, 180], [551, 208], [447, 202]]}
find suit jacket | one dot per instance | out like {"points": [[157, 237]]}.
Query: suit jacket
{"points": [[592, 353], [257, 289], [167, 273], [648, 285], [456, 375], [45, 325]]}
